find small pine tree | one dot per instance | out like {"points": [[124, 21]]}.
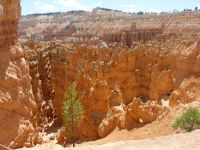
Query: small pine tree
{"points": [[34, 37], [196, 9], [189, 120], [73, 112]]}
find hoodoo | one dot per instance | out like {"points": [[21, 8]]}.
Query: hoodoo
{"points": [[133, 76]]}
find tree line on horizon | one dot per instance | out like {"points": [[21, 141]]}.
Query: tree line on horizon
{"points": [[196, 9]]}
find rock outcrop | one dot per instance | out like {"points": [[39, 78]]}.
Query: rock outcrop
{"points": [[17, 105], [136, 114], [43, 89], [114, 118], [25, 94], [188, 91]]}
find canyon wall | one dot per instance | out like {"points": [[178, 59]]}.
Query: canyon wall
{"points": [[38, 59], [125, 87], [20, 117]]}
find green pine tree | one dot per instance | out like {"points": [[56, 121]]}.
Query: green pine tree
{"points": [[189, 120], [73, 112], [34, 37]]}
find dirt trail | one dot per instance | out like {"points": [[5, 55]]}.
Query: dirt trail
{"points": [[182, 141]]}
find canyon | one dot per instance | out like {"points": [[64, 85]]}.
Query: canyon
{"points": [[130, 74]]}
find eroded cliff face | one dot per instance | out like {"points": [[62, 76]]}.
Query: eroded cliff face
{"points": [[20, 125], [40, 71], [122, 87], [17, 105]]}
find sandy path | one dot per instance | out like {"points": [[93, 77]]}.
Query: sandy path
{"points": [[182, 141]]}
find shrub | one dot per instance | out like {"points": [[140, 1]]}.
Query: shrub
{"points": [[188, 121]]}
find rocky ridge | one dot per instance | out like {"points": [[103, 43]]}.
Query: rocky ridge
{"points": [[83, 27]]}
